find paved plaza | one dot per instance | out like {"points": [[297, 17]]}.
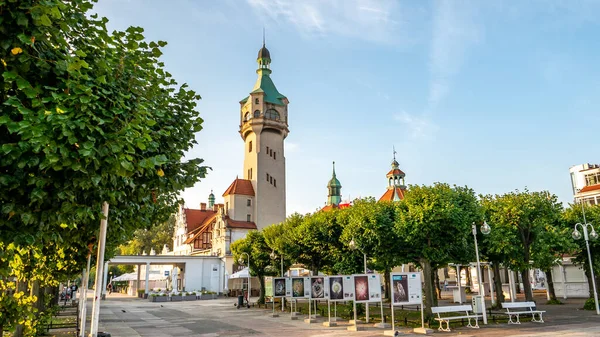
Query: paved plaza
{"points": [[124, 316]]}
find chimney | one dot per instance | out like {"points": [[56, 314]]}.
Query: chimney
{"points": [[203, 206]]}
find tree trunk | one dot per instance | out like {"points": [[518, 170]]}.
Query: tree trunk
{"points": [[446, 273], [589, 279], [38, 293], [261, 299], [19, 328], [436, 279], [527, 285], [386, 283], [550, 284], [430, 298], [498, 284], [517, 282], [468, 274]]}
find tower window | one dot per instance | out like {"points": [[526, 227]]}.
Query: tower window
{"points": [[271, 180], [257, 101], [271, 153], [248, 202], [226, 206], [275, 182], [248, 217], [256, 113], [274, 155], [267, 150], [267, 177], [249, 173], [250, 146], [272, 114]]}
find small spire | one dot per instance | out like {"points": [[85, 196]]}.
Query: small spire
{"points": [[334, 168], [394, 148], [263, 36]]}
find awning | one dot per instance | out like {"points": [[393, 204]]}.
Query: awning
{"points": [[133, 277], [240, 274]]}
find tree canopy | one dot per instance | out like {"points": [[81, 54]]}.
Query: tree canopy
{"points": [[87, 116]]}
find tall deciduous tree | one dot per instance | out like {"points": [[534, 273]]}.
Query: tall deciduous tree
{"points": [[371, 225], [87, 117], [573, 215], [261, 264], [435, 222], [522, 225]]}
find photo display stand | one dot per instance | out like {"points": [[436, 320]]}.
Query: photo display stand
{"points": [[269, 292], [289, 294], [407, 289], [338, 289]]}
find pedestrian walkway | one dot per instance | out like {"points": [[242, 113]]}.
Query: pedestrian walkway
{"points": [[125, 316]]}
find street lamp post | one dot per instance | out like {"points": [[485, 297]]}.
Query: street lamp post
{"points": [[577, 235], [353, 246], [485, 229], [242, 261]]}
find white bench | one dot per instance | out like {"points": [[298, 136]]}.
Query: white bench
{"points": [[522, 308], [461, 311]]}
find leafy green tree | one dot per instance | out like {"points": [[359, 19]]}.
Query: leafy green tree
{"points": [[572, 215], [277, 238], [261, 264], [523, 229], [153, 238], [434, 222], [371, 225], [87, 117]]}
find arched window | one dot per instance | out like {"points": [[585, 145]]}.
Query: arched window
{"points": [[272, 114], [256, 113], [257, 101], [247, 116]]}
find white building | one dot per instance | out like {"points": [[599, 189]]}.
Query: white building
{"points": [[585, 180], [259, 199]]}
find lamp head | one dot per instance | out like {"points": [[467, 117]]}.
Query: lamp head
{"points": [[241, 261], [273, 255], [485, 228], [576, 234], [593, 234], [352, 244]]}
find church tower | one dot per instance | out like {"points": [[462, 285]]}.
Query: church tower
{"points": [[264, 127], [335, 190], [396, 186]]}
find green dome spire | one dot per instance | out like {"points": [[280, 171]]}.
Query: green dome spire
{"points": [[334, 186], [211, 200]]}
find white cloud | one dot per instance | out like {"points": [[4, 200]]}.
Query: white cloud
{"points": [[365, 19], [454, 32], [419, 126]]}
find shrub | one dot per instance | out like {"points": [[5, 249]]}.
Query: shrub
{"points": [[589, 304], [556, 301]]}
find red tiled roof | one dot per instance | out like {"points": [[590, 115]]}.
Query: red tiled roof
{"points": [[195, 217], [240, 186], [240, 224], [389, 194], [340, 206], [201, 229], [395, 172], [590, 188]]}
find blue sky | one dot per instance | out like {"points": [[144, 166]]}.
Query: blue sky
{"points": [[495, 95]]}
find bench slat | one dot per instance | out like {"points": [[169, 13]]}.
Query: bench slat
{"points": [[452, 308], [511, 305]]}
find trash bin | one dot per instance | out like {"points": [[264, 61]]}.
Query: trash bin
{"points": [[240, 301]]}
